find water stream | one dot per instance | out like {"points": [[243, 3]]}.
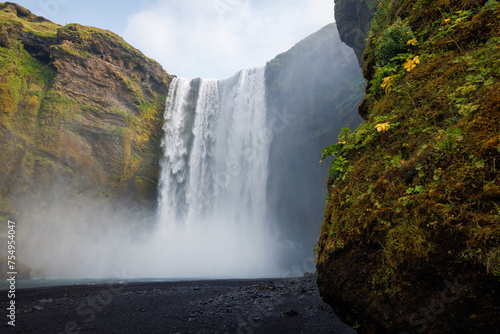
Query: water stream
{"points": [[212, 192]]}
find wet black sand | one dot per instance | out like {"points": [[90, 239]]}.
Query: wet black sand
{"points": [[216, 306]]}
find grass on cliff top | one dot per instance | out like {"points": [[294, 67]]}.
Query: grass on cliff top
{"points": [[420, 181], [82, 35], [8, 16], [85, 37]]}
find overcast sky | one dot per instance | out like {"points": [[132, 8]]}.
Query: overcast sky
{"points": [[198, 38]]}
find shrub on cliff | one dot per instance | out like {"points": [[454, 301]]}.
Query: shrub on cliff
{"points": [[394, 41]]}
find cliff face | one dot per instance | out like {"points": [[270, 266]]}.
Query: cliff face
{"points": [[79, 108], [312, 91], [411, 236], [353, 18]]}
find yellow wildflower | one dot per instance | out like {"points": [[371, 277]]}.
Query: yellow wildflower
{"points": [[382, 127], [412, 41], [411, 63], [386, 83], [447, 20]]}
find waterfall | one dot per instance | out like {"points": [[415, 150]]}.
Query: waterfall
{"points": [[241, 193], [214, 172]]}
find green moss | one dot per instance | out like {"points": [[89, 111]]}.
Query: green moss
{"points": [[415, 191], [24, 83], [42, 29]]}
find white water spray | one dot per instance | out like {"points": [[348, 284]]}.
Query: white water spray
{"points": [[214, 176]]}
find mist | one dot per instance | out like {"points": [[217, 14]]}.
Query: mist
{"points": [[79, 237]]}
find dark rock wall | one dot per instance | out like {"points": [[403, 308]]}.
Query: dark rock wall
{"points": [[353, 18]]}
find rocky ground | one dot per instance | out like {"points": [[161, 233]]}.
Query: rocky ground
{"points": [[221, 306]]}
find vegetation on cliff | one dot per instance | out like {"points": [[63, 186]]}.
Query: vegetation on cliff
{"points": [[410, 240], [79, 107]]}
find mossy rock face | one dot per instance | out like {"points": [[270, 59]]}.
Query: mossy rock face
{"points": [[411, 236], [79, 107]]}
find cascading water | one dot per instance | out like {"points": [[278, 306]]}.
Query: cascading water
{"points": [[214, 176]]}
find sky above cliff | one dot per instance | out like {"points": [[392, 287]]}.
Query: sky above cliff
{"points": [[198, 38]]}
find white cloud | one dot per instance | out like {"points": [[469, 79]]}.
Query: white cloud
{"points": [[216, 38]]}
